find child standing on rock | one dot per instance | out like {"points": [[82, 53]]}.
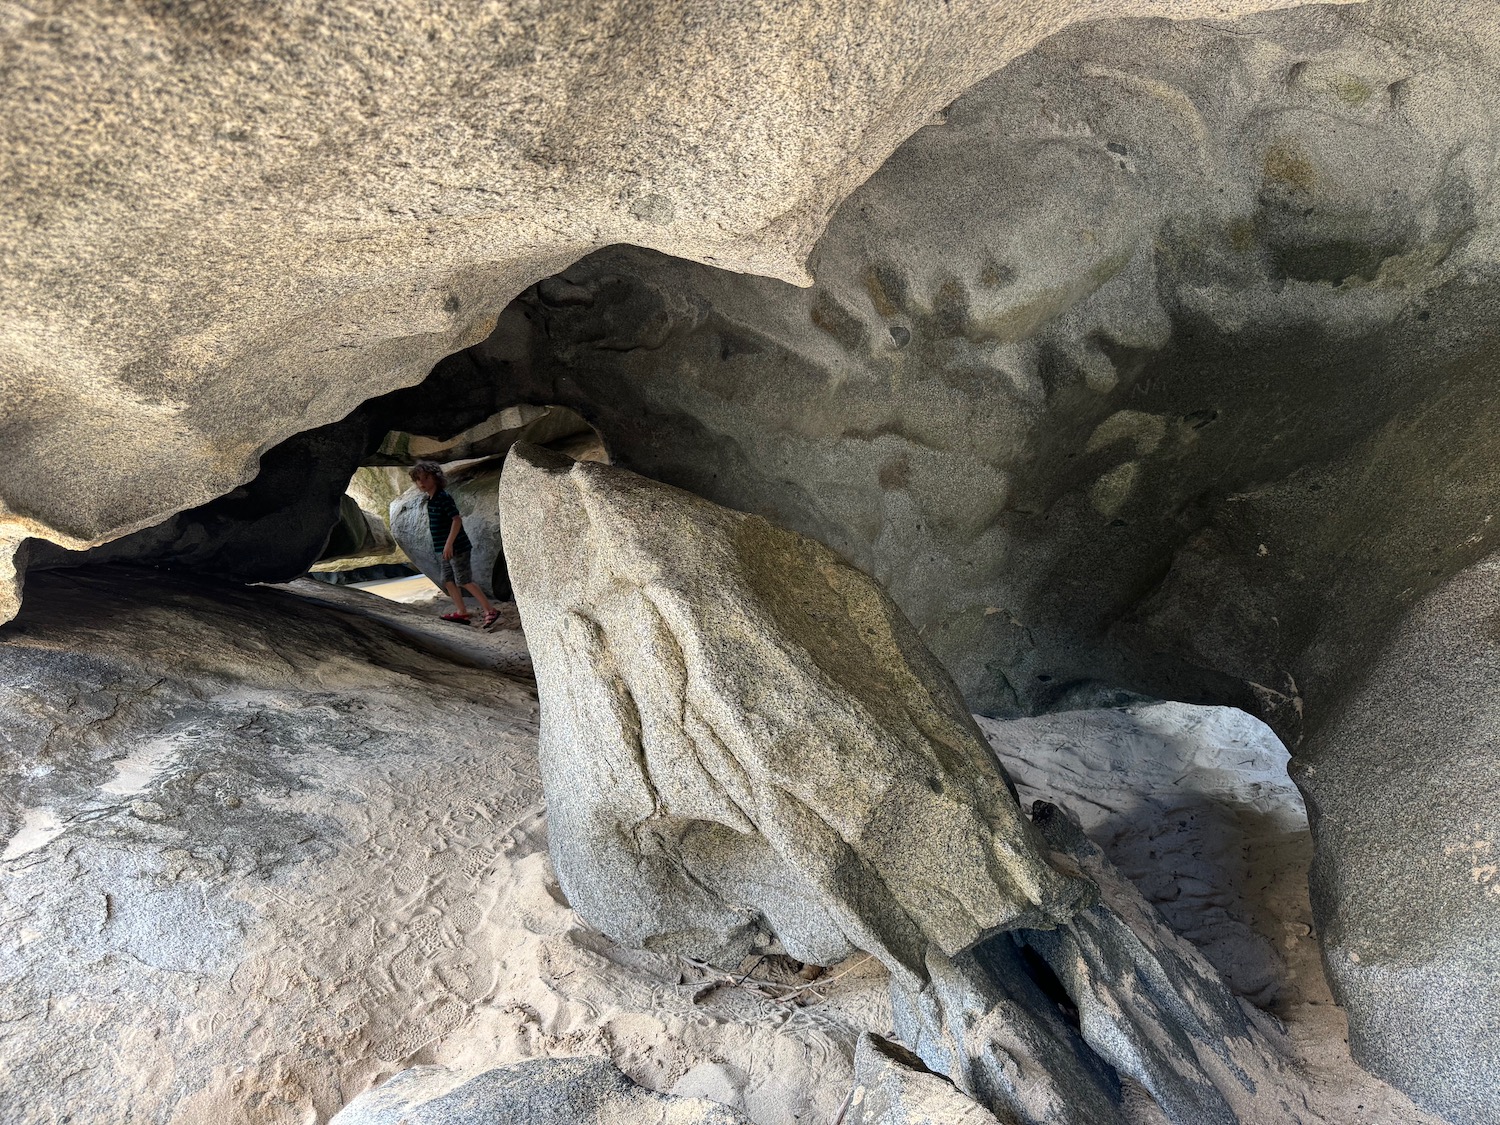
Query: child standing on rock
{"points": [[450, 542]]}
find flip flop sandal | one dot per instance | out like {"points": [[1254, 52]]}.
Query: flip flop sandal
{"points": [[459, 618], [491, 617]]}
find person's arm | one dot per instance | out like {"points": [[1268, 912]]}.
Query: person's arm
{"points": [[458, 525]]}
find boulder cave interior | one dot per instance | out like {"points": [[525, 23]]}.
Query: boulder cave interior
{"points": [[1148, 364]]}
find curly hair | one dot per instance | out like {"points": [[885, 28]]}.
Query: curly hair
{"points": [[433, 469]]}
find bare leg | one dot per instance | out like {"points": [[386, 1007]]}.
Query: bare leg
{"points": [[484, 602], [457, 595]]}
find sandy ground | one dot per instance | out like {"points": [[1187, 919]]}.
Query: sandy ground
{"points": [[264, 848], [417, 589]]}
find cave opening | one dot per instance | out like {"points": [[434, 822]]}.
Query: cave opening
{"points": [[381, 541]]}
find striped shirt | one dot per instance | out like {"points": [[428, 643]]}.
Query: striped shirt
{"points": [[440, 512]]}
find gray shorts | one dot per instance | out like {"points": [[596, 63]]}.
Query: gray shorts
{"points": [[455, 569]]}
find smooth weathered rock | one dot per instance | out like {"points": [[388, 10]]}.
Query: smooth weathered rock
{"points": [[1404, 792], [362, 538], [892, 1087], [538, 1092], [1193, 806], [1140, 1002], [1152, 1007], [744, 741], [222, 227], [473, 489], [359, 535], [1207, 406]]}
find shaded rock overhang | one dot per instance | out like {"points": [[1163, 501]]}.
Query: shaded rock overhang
{"points": [[223, 226]]}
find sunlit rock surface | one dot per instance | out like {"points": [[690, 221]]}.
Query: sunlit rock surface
{"points": [[360, 537]]}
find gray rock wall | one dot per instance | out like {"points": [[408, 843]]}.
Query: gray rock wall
{"points": [[1404, 791]]}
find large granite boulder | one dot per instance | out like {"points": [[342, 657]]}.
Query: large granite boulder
{"points": [[1404, 792], [746, 748], [359, 538], [744, 742]]}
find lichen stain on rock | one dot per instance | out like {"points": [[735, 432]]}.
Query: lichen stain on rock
{"points": [[1351, 89], [1112, 491], [1287, 165]]}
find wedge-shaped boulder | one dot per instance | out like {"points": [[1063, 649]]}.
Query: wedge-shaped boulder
{"points": [[745, 742]]}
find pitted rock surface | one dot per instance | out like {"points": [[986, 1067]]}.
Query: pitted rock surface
{"points": [[1164, 360]]}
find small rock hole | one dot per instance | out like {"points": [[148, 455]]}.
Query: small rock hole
{"points": [[1052, 987]]}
